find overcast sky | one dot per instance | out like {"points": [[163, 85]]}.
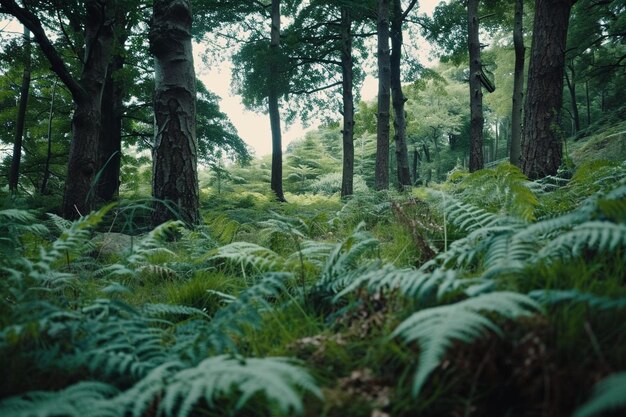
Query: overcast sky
{"points": [[254, 128]]}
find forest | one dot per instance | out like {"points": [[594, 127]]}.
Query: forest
{"points": [[453, 247]]}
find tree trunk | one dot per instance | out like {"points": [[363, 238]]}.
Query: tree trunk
{"points": [[399, 124], [112, 110], [175, 176], [78, 199], [518, 84], [46, 170], [274, 112], [416, 159], [571, 86], [14, 173], [384, 82], [476, 95], [588, 103], [348, 103], [542, 139]]}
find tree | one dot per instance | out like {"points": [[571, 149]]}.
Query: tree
{"points": [[398, 16], [175, 176], [542, 139], [476, 160], [272, 102], [384, 84], [86, 93], [347, 80], [14, 172], [518, 84]]}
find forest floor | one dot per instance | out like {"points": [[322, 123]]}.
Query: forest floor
{"points": [[487, 295]]}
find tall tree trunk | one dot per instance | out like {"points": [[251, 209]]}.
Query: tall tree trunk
{"points": [[110, 142], [588, 103], [571, 86], [274, 111], [347, 178], [476, 95], [78, 198], [542, 140], [399, 124], [518, 84], [384, 82], [175, 176], [46, 170], [14, 173], [416, 159]]}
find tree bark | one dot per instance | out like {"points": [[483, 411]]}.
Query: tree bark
{"points": [[175, 176], [110, 142], [273, 108], [518, 84], [384, 83], [476, 95], [46, 170], [542, 137], [78, 199], [398, 99], [347, 179], [86, 94], [14, 173]]}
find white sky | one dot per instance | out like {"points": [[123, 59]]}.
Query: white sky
{"points": [[254, 128]]}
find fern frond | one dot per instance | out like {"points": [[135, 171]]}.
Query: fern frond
{"points": [[598, 235], [85, 399], [608, 395], [436, 328], [279, 380], [246, 254], [155, 310], [551, 297]]}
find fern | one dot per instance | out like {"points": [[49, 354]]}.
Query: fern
{"points": [[248, 255], [277, 379], [598, 235], [608, 395], [436, 328], [552, 297], [85, 399]]}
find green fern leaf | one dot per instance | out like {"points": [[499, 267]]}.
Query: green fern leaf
{"points": [[609, 394], [436, 328]]}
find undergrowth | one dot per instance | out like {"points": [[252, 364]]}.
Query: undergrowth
{"points": [[486, 295]]}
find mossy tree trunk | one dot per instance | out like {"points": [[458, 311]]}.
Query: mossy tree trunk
{"points": [[273, 108]]}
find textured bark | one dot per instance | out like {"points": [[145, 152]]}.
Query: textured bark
{"points": [[274, 111], [175, 176], [78, 198], [542, 139], [110, 141], [384, 84], [86, 94], [398, 99], [46, 169], [347, 178], [14, 172], [518, 84], [476, 95]]}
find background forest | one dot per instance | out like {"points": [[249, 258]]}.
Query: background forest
{"points": [[454, 247]]}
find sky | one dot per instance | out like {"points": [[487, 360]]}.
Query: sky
{"points": [[254, 128]]}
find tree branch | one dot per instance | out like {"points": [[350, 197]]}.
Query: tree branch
{"points": [[315, 90], [33, 23]]}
